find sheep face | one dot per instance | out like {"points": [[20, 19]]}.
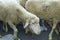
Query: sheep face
{"points": [[34, 26]]}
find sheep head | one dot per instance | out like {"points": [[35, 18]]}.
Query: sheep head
{"points": [[33, 25]]}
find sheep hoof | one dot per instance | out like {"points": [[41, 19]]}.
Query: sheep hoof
{"points": [[6, 31], [57, 33], [15, 38], [26, 32], [50, 38]]}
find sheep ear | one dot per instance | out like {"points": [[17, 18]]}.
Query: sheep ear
{"points": [[26, 24]]}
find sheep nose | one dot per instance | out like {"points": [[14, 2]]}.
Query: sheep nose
{"points": [[38, 33]]}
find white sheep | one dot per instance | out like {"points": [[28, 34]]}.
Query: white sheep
{"points": [[22, 2], [46, 10], [12, 13]]}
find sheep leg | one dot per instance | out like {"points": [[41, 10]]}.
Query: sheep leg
{"points": [[26, 31], [53, 28], [0, 35], [56, 31], [15, 30], [44, 25], [5, 28], [59, 29], [50, 23]]}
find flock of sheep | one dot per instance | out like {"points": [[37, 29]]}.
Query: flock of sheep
{"points": [[29, 12]]}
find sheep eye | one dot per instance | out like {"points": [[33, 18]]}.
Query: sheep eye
{"points": [[33, 22]]}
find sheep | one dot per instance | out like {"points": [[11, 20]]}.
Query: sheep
{"points": [[46, 10], [12, 13], [22, 2]]}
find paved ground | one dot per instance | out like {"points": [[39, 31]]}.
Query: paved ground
{"points": [[23, 36]]}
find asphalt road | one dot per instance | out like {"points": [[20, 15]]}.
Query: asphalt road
{"points": [[23, 36]]}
